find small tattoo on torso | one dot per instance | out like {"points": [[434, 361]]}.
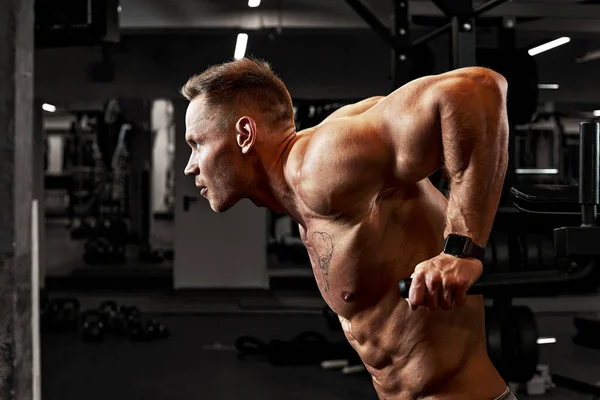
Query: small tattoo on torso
{"points": [[323, 245]]}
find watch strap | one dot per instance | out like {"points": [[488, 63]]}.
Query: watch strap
{"points": [[463, 246]]}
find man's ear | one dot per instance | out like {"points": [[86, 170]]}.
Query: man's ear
{"points": [[245, 133]]}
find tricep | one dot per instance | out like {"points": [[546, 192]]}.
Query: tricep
{"points": [[421, 118]]}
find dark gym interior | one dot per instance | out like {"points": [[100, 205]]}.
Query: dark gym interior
{"points": [[116, 279]]}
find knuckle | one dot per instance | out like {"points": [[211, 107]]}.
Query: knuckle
{"points": [[420, 266], [435, 277]]}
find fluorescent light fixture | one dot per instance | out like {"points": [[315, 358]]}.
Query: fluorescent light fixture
{"points": [[240, 46], [536, 171], [253, 3], [546, 340], [591, 56], [596, 113], [549, 86], [548, 46], [48, 107]]}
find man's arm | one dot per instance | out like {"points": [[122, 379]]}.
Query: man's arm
{"points": [[474, 133], [457, 120]]}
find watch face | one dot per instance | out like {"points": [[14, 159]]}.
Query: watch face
{"points": [[456, 245]]}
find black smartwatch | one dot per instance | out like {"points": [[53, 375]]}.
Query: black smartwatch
{"points": [[463, 246]]}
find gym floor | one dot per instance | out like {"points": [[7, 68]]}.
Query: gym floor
{"points": [[199, 358]]}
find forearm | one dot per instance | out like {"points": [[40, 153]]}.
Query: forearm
{"points": [[475, 153], [475, 195]]}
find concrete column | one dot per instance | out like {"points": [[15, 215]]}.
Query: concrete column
{"points": [[38, 194], [17, 380]]}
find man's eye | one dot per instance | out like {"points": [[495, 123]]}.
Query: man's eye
{"points": [[197, 146]]}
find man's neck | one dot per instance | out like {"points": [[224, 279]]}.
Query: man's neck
{"points": [[271, 188]]}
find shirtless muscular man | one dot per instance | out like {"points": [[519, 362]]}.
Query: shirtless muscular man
{"points": [[357, 186]]}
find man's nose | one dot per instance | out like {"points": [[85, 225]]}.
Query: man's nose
{"points": [[192, 166]]}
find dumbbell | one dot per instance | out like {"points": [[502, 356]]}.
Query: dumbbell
{"points": [[92, 327], [113, 320]]}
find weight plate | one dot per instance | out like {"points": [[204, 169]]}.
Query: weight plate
{"points": [[493, 330], [534, 252], [519, 340], [501, 252], [547, 251]]}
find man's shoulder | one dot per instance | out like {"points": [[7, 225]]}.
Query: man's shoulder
{"points": [[339, 140], [340, 166]]}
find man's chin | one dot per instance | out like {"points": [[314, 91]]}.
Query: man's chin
{"points": [[220, 207]]}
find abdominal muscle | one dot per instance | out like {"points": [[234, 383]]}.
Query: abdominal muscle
{"points": [[409, 353], [424, 354]]}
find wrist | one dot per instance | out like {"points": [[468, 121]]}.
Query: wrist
{"points": [[462, 246]]}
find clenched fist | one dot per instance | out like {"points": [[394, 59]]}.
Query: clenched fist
{"points": [[441, 280]]}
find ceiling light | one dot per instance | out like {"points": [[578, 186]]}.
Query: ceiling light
{"points": [[253, 3], [240, 46], [548, 46], [550, 86], [48, 107], [548, 340], [536, 171]]}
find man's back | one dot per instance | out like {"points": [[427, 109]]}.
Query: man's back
{"points": [[365, 230]]}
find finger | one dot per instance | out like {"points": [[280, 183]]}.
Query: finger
{"points": [[434, 286], [446, 297], [460, 294], [416, 294]]}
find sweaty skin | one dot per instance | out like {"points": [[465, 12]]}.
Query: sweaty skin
{"points": [[368, 215]]}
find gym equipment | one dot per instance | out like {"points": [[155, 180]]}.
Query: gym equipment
{"points": [[59, 315], [100, 251], [123, 321], [520, 346], [493, 327], [63, 315], [156, 330], [82, 228], [288, 248], [92, 326], [150, 256], [576, 244], [133, 319], [414, 59], [511, 335], [588, 330], [114, 321]]}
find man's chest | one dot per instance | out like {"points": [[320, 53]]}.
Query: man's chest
{"points": [[349, 264]]}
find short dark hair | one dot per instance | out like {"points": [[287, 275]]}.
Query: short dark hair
{"points": [[246, 81]]}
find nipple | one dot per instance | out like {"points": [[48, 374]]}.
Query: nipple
{"points": [[347, 296]]}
